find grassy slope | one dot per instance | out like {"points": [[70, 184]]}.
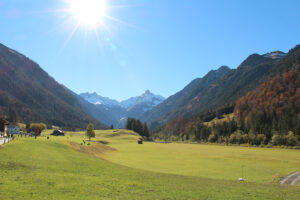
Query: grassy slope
{"points": [[51, 169], [226, 118]]}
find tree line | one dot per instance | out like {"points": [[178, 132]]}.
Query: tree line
{"points": [[138, 127]]}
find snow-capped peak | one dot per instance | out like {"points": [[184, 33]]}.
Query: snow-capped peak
{"points": [[146, 98], [94, 98], [275, 55]]}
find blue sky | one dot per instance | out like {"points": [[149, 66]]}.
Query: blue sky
{"points": [[160, 45]]}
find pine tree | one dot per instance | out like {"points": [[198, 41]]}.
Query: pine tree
{"points": [[138, 127], [146, 131], [133, 125], [129, 124]]}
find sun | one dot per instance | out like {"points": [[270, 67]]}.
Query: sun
{"points": [[89, 12]]}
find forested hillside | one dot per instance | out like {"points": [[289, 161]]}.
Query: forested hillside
{"points": [[29, 94], [269, 114], [274, 106], [210, 93]]}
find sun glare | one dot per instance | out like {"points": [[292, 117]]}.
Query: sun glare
{"points": [[89, 12]]}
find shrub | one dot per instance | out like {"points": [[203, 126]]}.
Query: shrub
{"points": [[244, 139], [252, 139], [232, 138], [212, 138], [193, 138], [221, 139], [291, 139], [261, 139], [276, 140], [236, 137]]}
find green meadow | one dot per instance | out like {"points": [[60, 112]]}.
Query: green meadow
{"points": [[114, 166], [263, 165]]}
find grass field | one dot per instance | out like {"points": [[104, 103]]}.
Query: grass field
{"points": [[210, 161], [61, 168]]}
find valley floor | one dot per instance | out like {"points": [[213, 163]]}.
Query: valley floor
{"points": [[62, 168], [262, 165]]}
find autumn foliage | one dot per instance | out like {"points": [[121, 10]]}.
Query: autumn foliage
{"points": [[274, 105]]}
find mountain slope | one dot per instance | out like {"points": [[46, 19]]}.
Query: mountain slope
{"points": [[35, 96], [269, 104], [224, 90], [275, 104], [97, 111], [174, 103]]}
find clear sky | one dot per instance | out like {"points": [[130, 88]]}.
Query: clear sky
{"points": [[160, 45]]}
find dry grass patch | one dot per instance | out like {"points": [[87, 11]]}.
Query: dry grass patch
{"points": [[95, 149]]}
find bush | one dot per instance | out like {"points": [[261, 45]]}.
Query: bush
{"points": [[276, 140], [212, 138], [232, 138], [261, 139], [291, 139], [244, 139], [221, 139], [236, 137], [193, 138], [252, 139], [226, 140]]}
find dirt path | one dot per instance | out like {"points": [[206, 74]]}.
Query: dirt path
{"points": [[291, 179]]}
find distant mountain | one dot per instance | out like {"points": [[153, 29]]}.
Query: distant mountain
{"points": [[98, 111], [32, 95], [117, 112], [94, 98], [147, 100]]}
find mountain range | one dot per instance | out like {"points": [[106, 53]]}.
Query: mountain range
{"points": [[116, 112], [28, 92], [34, 96]]}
